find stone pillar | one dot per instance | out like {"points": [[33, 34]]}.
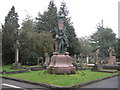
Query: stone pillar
{"points": [[87, 60], [16, 65], [17, 55]]}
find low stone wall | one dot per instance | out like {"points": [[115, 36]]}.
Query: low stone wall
{"points": [[27, 69], [14, 72], [114, 71], [83, 68], [34, 68], [115, 67]]}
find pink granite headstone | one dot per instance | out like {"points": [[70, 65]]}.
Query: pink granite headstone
{"points": [[112, 57]]}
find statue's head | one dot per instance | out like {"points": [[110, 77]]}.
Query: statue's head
{"points": [[60, 23], [61, 18]]}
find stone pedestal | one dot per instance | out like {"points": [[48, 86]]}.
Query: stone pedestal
{"points": [[16, 65], [61, 64], [112, 60]]}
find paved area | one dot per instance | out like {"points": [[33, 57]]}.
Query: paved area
{"points": [[19, 85], [108, 83]]}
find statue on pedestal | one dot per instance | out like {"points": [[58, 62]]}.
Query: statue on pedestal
{"points": [[61, 62]]}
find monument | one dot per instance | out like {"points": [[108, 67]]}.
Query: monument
{"points": [[47, 60], [61, 62], [96, 67], [112, 56], [16, 65], [112, 60]]}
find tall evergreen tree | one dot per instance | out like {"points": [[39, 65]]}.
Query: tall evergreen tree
{"points": [[47, 21], [9, 33]]}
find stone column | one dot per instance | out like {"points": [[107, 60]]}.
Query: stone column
{"points": [[87, 59], [17, 55], [16, 65]]}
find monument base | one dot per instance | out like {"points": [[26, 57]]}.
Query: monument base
{"points": [[16, 65], [61, 64]]}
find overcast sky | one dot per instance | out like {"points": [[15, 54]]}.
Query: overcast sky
{"points": [[85, 14]]}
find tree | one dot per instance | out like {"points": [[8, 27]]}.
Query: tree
{"points": [[9, 33], [47, 21], [37, 45], [34, 44], [103, 39], [28, 25]]}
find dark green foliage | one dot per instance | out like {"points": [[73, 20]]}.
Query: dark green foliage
{"points": [[9, 35], [32, 58], [48, 20], [34, 44]]}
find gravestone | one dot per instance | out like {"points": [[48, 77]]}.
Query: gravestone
{"points": [[112, 56], [61, 62], [16, 64], [112, 60], [96, 66], [47, 60]]}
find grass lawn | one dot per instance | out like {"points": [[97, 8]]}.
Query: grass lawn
{"points": [[7, 67], [60, 80]]}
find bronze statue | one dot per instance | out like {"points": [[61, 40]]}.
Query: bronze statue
{"points": [[61, 38]]}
